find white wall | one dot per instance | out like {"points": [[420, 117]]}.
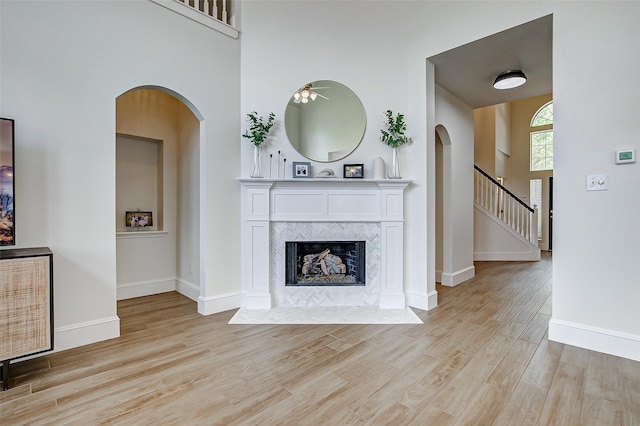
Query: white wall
{"points": [[457, 117], [493, 241], [188, 200], [595, 248], [484, 136], [503, 141], [379, 49], [492, 139], [63, 65]]}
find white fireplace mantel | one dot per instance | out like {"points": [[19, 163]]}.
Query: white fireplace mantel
{"points": [[266, 201]]}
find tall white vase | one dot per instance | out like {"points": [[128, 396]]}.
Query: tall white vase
{"points": [[394, 165], [256, 172]]}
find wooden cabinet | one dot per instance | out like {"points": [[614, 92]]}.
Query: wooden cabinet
{"points": [[26, 304]]}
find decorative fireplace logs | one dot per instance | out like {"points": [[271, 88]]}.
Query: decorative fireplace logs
{"points": [[323, 263]]}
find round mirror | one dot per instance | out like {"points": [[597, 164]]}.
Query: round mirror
{"points": [[325, 121]]}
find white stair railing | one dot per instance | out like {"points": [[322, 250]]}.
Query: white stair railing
{"points": [[219, 15], [511, 210], [216, 9]]}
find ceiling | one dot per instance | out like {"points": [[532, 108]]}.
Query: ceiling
{"points": [[468, 71]]}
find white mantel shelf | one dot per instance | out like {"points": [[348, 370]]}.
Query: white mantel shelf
{"points": [[340, 181], [321, 200]]}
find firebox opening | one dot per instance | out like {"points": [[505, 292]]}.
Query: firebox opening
{"points": [[325, 263]]}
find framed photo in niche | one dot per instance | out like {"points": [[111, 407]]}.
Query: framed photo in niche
{"points": [[7, 141], [138, 220], [301, 169], [353, 171]]}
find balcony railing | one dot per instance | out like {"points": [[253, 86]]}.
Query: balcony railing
{"points": [[217, 9], [216, 14]]}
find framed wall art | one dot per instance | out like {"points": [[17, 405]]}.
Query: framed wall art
{"points": [[7, 218]]}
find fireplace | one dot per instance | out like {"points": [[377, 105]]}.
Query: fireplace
{"points": [[279, 211], [325, 263]]}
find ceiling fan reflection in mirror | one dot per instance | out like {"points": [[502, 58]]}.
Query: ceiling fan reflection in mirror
{"points": [[306, 93]]}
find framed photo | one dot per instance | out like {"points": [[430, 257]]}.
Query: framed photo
{"points": [[138, 219], [301, 169], [353, 171], [7, 226]]}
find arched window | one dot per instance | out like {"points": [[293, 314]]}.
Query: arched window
{"points": [[541, 139]]}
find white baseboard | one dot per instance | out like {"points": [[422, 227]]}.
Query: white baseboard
{"points": [[219, 303], [192, 291], [425, 301], [458, 277], [507, 256], [596, 339], [145, 288], [72, 336]]}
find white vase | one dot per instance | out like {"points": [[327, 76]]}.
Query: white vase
{"points": [[394, 166], [378, 168], [256, 172]]}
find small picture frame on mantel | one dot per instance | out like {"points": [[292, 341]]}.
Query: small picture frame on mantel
{"points": [[301, 169], [353, 171]]}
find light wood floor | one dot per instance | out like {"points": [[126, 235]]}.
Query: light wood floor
{"points": [[482, 357]]}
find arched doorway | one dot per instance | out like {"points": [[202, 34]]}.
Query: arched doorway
{"points": [[444, 234], [158, 145]]}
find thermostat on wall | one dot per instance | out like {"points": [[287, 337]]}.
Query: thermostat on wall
{"points": [[625, 156]]}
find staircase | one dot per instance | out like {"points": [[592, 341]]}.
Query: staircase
{"points": [[505, 227]]}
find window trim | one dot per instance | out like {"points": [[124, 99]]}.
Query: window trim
{"points": [[534, 116]]}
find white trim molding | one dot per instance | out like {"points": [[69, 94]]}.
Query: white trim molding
{"points": [[145, 288], [219, 303], [141, 234], [188, 289], [425, 302], [596, 339], [74, 335], [524, 256], [457, 277]]}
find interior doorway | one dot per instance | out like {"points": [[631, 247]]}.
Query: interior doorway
{"points": [[166, 256]]}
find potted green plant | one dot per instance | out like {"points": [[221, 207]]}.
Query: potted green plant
{"points": [[393, 135], [257, 134]]}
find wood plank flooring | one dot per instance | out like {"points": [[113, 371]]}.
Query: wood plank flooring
{"points": [[482, 357]]}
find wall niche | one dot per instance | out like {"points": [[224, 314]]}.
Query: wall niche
{"points": [[139, 179]]}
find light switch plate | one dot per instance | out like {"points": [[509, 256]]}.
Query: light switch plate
{"points": [[599, 182]]}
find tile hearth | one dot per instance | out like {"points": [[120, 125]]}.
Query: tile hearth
{"points": [[325, 315]]}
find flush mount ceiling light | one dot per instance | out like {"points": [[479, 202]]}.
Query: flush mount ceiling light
{"points": [[510, 79], [306, 93]]}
